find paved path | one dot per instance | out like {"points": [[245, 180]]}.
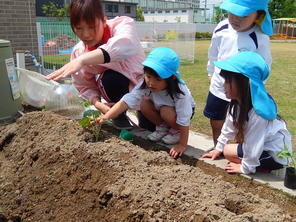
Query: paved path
{"points": [[199, 144]]}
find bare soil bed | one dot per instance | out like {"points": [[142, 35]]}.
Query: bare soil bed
{"points": [[51, 171]]}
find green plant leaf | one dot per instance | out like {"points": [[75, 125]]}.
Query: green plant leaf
{"points": [[285, 153], [85, 103], [96, 113], [92, 113], [84, 122]]}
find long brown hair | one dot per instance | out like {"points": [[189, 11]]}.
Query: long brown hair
{"points": [[86, 10], [239, 109]]}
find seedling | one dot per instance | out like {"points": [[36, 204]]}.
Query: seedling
{"points": [[85, 103], [89, 118], [290, 155]]}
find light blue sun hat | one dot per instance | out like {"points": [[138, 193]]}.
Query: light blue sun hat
{"points": [[243, 8], [165, 62], [253, 66]]}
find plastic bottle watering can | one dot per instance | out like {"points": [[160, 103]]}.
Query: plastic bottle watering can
{"points": [[64, 99], [51, 95]]}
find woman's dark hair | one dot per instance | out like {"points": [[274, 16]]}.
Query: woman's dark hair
{"points": [[173, 88], [239, 110], [86, 10]]}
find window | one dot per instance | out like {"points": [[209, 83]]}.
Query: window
{"points": [[152, 12], [145, 12], [127, 9], [175, 11], [167, 11], [111, 8], [115, 8], [159, 11], [184, 11]]}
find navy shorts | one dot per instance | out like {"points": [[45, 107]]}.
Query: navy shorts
{"points": [[266, 161], [216, 108]]}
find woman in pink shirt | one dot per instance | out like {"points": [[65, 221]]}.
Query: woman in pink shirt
{"points": [[107, 62]]}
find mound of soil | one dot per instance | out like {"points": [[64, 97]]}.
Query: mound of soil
{"points": [[62, 42], [50, 171]]}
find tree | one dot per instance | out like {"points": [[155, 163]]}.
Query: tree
{"points": [[282, 8], [139, 16], [52, 10], [178, 19], [220, 14]]}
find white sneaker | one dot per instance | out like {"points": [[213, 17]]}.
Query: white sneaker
{"points": [[172, 137], [160, 132]]}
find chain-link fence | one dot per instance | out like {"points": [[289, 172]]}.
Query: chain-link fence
{"points": [[56, 40]]}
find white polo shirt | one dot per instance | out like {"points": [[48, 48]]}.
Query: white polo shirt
{"points": [[259, 135], [226, 42]]}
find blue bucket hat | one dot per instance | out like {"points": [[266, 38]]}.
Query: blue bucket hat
{"points": [[165, 62], [253, 66], [243, 8]]}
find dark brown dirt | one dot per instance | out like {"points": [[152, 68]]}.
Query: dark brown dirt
{"points": [[50, 171]]}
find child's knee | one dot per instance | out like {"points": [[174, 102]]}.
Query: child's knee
{"points": [[168, 113], [146, 104]]}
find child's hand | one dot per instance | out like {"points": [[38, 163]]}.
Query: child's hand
{"points": [[177, 150], [213, 154], [100, 120], [67, 70], [233, 167], [209, 78]]}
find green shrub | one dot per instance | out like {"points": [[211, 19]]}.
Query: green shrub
{"points": [[203, 35]]}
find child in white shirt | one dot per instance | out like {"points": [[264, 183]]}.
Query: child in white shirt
{"points": [[253, 134], [247, 28], [163, 98]]}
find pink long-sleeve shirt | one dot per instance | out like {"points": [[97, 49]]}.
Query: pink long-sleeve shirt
{"points": [[126, 57]]}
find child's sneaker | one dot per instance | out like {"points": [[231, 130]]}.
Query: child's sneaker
{"points": [[160, 132], [172, 137]]}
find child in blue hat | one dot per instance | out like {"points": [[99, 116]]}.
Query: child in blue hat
{"points": [[253, 134], [163, 98], [247, 28]]}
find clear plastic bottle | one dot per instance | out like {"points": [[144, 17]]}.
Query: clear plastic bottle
{"points": [[64, 100]]}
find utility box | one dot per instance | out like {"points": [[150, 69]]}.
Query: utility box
{"points": [[10, 98]]}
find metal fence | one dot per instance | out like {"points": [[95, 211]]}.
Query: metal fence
{"points": [[56, 40], [178, 36]]}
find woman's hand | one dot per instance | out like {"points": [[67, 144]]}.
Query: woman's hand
{"points": [[94, 57], [233, 167], [103, 107], [177, 150], [213, 154], [67, 70]]}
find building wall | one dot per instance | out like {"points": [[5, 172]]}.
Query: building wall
{"points": [[18, 24], [169, 15], [113, 9]]}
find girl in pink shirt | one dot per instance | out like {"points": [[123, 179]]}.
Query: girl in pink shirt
{"points": [[107, 62]]}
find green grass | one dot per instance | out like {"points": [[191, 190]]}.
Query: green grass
{"points": [[57, 61], [281, 83]]}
